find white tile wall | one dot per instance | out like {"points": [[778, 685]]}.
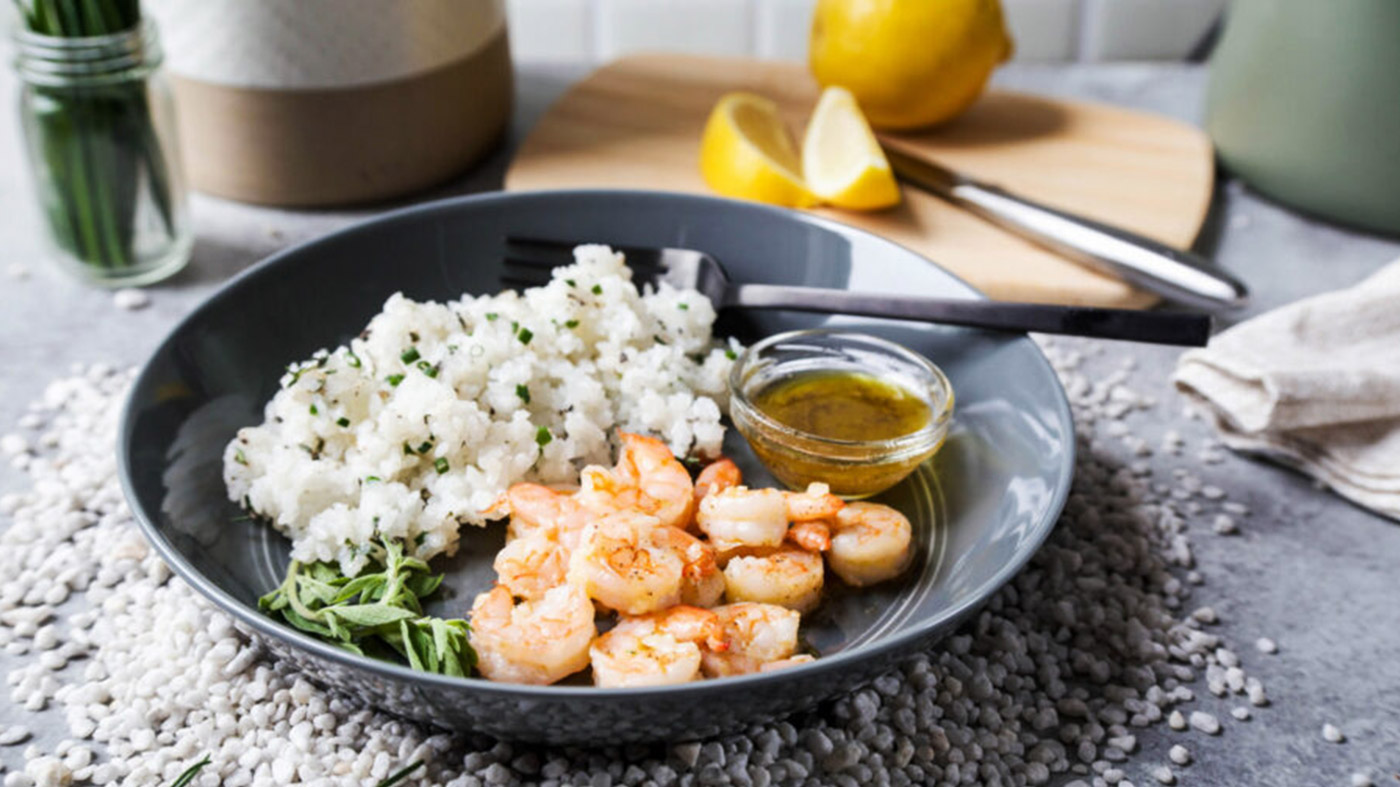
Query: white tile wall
{"points": [[1045, 30], [783, 27], [719, 27], [550, 31], [1145, 29]]}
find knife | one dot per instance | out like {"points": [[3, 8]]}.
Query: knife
{"points": [[1172, 273]]}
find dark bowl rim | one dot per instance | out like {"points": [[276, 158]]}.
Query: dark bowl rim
{"points": [[265, 626]]}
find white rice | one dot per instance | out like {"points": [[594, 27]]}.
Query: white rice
{"points": [[346, 455]]}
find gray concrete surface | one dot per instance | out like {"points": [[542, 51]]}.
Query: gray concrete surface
{"points": [[1318, 575]]}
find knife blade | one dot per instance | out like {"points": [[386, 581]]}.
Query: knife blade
{"points": [[1172, 273]]}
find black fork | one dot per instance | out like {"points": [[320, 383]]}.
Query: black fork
{"points": [[529, 262]]}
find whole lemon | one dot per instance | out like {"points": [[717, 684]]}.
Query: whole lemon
{"points": [[910, 63]]}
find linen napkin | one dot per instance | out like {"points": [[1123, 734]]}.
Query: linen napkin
{"points": [[1314, 385]]}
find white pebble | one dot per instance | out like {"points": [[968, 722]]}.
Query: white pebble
{"points": [[1179, 754], [1163, 775], [1176, 720], [1332, 734], [46, 638], [48, 772], [143, 739], [10, 736], [1359, 779], [131, 299], [1205, 722], [1256, 694], [12, 444], [1240, 712], [1266, 645], [1225, 525]]}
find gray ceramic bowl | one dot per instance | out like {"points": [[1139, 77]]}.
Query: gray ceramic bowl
{"points": [[980, 508]]}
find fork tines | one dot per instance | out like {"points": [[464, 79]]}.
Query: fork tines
{"points": [[528, 261]]}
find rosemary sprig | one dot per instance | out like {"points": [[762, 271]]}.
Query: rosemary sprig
{"points": [[378, 612], [400, 774], [190, 772], [392, 779]]}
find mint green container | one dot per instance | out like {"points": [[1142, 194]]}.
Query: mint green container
{"points": [[1304, 105]]}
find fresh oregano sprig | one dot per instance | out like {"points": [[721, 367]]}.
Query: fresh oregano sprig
{"points": [[377, 613]]}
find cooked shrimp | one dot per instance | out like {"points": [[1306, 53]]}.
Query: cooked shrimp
{"points": [[740, 516], [530, 565], [631, 563], [717, 476], [729, 552], [817, 502], [667, 492], [535, 507], [703, 582], [534, 641], [602, 492], [757, 634], [791, 661], [659, 649], [647, 478], [789, 577], [871, 543], [814, 536]]}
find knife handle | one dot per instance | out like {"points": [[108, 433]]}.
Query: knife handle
{"points": [[1157, 267]]}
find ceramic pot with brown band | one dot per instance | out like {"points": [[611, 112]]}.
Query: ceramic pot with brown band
{"points": [[323, 102]]}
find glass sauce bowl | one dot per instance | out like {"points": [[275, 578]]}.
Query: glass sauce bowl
{"points": [[854, 469]]}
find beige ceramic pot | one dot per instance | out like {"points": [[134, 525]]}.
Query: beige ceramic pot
{"points": [[321, 102]]}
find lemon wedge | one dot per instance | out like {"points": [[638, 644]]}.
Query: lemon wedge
{"points": [[841, 159], [747, 152]]}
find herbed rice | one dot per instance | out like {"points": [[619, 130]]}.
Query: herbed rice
{"points": [[418, 425]]}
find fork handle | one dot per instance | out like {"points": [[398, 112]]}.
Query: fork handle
{"points": [[1189, 330]]}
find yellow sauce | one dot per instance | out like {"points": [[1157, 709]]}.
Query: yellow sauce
{"points": [[843, 405]]}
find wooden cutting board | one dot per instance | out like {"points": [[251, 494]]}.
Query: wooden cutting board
{"points": [[636, 123]]}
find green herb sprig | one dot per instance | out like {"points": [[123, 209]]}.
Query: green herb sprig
{"points": [[189, 773], [401, 774], [187, 776], [377, 613]]}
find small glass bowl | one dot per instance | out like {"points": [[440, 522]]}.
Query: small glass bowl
{"points": [[854, 469]]}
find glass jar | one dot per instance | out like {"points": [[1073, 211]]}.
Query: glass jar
{"points": [[99, 128]]}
